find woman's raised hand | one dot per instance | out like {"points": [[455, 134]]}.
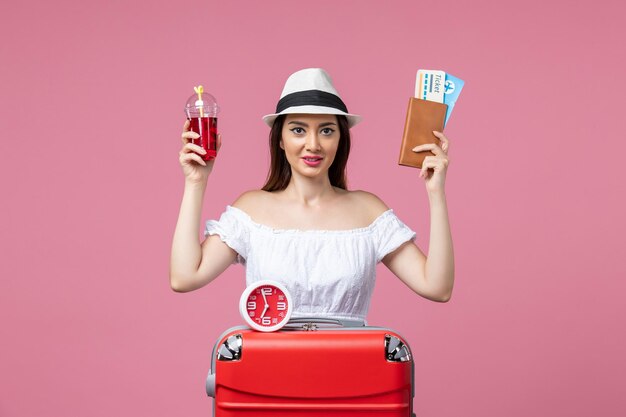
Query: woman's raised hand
{"points": [[196, 170], [434, 168]]}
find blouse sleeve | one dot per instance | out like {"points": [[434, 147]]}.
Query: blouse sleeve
{"points": [[390, 233], [233, 231]]}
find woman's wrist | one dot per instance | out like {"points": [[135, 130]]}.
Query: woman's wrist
{"points": [[437, 195], [196, 184]]}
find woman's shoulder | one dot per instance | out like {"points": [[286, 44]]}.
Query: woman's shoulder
{"points": [[251, 199], [369, 202], [361, 207]]}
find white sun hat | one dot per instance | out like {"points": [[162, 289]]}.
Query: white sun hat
{"points": [[310, 91]]}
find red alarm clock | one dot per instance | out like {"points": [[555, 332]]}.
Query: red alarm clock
{"points": [[266, 305]]}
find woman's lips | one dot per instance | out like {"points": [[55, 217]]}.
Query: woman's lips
{"points": [[312, 161]]}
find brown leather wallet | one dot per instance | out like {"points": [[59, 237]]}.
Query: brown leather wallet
{"points": [[422, 117]]}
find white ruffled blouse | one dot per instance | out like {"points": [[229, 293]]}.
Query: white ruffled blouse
{"points": [[329, 273]]}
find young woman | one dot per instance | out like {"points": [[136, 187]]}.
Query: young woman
{"points": [[304, 228]]}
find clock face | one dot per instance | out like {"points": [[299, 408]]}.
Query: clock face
{"points": [[266, 306]]}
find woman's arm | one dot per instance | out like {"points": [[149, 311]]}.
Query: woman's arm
{"points": [[193, 265], [432, 276]]}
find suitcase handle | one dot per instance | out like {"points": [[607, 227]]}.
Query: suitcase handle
{"points": [[313, 323]]}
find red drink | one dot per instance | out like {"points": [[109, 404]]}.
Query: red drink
{"points": [[201, 110], [206, 127]]}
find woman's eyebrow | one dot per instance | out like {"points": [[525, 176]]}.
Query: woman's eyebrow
{"points": [[295, 122], [298, 123]]}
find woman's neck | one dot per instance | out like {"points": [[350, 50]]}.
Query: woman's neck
{"points": [[309, 191]]}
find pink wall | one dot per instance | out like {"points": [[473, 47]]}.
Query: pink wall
{"points": [[91, 97]]}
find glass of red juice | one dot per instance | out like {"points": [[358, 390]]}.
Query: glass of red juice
{"points": [[201, 110]]}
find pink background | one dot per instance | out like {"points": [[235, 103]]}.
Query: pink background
{"points": [[91, 113]]}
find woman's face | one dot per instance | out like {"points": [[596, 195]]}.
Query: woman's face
{"points": [[310, 142]]}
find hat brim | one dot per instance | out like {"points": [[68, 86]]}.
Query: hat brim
{"points": [[353, 119]]}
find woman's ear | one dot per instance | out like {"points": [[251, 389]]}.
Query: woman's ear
{"points": [[280, 143]]}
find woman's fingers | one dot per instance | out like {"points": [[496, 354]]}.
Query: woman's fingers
{"points": [[445, 142], [440, 149], [186, 157], [427, 164], [434, 148], [219, 141], [193, 148], [189, 135], [435, 163]]}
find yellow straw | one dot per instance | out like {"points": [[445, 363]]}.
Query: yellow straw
{"points": [[199, 90]]}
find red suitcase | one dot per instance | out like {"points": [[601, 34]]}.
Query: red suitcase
{"points": [[313, 369]]}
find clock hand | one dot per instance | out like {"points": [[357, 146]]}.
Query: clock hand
{"points": [[266, 305]]}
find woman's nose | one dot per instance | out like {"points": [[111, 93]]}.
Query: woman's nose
{"points": [[312, 142]]}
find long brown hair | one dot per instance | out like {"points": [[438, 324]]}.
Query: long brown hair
{"points": [[279, 173]]}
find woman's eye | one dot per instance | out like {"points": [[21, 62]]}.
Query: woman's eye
{"points": [[297, 130], [327, 131]]}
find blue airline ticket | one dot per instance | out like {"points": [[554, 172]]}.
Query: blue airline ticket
{"points": [[452, 90]]}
